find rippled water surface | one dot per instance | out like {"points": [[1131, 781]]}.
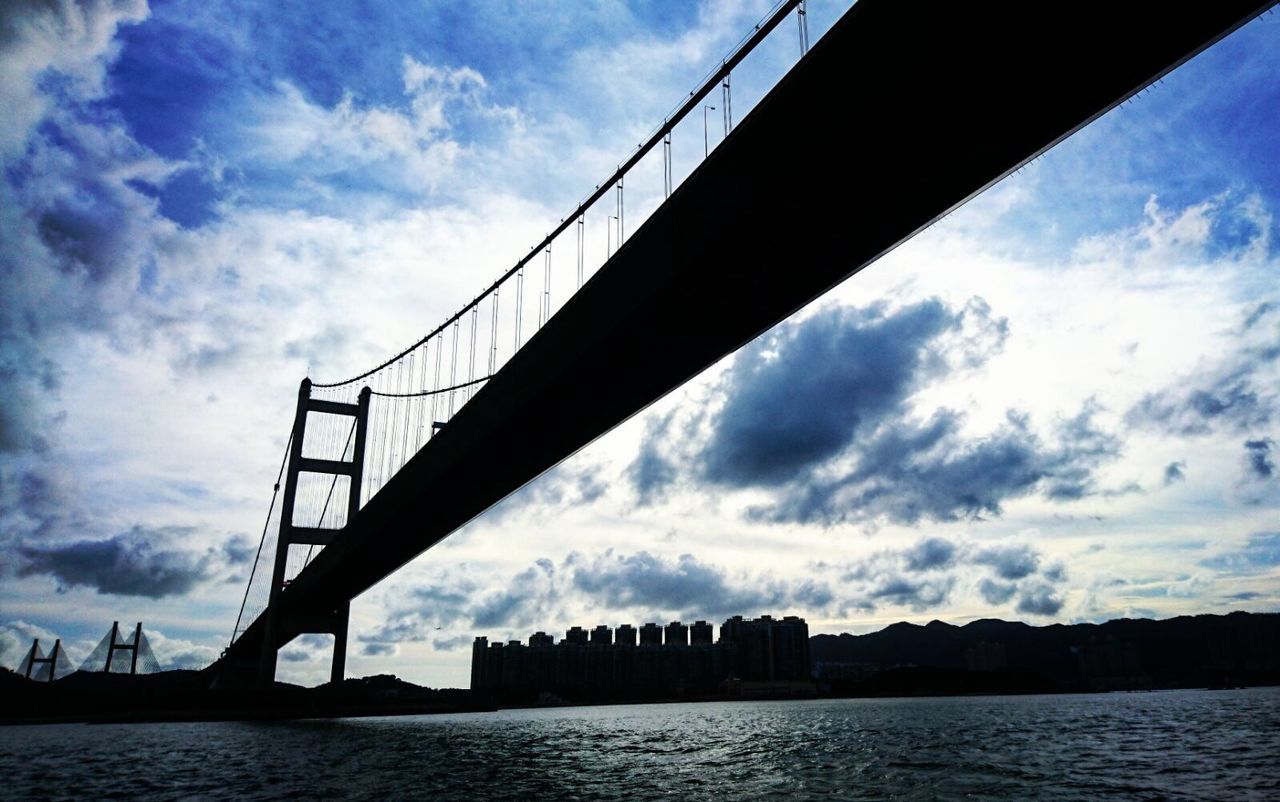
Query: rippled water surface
{"points": [[1171, 745]]}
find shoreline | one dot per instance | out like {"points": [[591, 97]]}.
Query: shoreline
{"points": [[282, 708]]}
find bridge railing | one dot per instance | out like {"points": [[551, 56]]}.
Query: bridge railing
{"points": [[417, 391]]}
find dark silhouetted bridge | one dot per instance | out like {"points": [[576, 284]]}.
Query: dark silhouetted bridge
{"points": [[902, 112]]}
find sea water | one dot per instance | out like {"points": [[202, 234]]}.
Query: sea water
{"points": [[1163, 745]]}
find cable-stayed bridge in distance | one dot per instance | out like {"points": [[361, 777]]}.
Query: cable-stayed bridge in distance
{"points": [[903, 111]]}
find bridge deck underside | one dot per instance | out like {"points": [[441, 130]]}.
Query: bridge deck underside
{"points": [[902, 112]]}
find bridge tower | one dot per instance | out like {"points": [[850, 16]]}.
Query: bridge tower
{"points": [[114, 645], [34, 659], [333, 622]]}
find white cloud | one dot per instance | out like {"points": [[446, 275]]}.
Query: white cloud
{"points": [[176, 399], [16, 638], [71, 40], [355, 142], [1168, 239]]}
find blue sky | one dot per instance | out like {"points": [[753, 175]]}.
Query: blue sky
{"points": [[204, 202]]}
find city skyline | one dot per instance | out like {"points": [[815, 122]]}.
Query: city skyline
{"points": [[1056, 404], [768, 655]]}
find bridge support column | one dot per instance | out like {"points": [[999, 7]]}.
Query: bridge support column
{"points": [[339, 668], [282, 624]]}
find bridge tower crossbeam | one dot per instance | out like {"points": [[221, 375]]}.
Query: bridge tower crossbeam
{"points": [[327, 621]]}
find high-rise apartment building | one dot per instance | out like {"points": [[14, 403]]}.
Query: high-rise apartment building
{"points": [[601, 662]]}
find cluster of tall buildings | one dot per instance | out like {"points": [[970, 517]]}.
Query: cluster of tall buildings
{"points": [[675, 660]]}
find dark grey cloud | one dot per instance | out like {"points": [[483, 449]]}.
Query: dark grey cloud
{"points": [[379, 649], [1232, 394], [801, 396], [1246, 595], [84, 252], [1230, 399], [26, 378], [918, 576], [208, 357], [77, 257], [331, 349], [1257, 459], [1083, 447], [329, 343], [47, 529], [450, 612], [563, 486], [451, 644], [1039, 599], [1174, 472], [239, 550], [514, 605], [818, 414], [811, 594], [996, 592], [1258, 313], [1055, 573], [78, 243], [1009, 562], [499, 609], [590, 487], [458, 599], [918, 594], [430, 608], [910, 471], [133, 563], [684, 586], [926, 573], [446, 599], [652, 472], [40, 502], [92, 236], [1261, 552], [931, 553]]}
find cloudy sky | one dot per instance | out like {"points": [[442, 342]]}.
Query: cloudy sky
{"points": [[1061, 403]]}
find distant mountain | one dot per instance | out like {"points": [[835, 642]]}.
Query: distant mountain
{"points": [[195, 696], [1187, 651]]}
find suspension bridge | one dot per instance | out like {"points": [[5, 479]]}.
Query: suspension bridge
{"points": [[902, 111]]}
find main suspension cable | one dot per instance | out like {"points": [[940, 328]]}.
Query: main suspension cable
{"points": [[441, 391], [780, 9], [265, 525]]}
